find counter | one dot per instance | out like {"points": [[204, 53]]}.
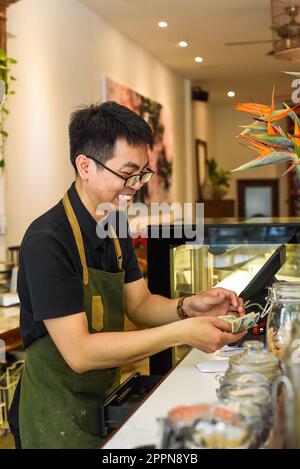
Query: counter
{"points": [[9, 327], [185, 385]]}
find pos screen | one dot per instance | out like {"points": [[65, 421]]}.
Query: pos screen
{"points": [[265, 274]]}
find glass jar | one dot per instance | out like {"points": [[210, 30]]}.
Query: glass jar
{"points": [[254, 360], [252, 416], [292, 369], [244, 379], [284, 299], [212, 426], [259, 396]]}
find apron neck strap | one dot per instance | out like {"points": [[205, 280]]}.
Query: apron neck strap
{"points": [[78, 237], [79, 241]]}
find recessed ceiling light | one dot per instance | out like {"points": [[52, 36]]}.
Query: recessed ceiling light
{"points": [[231, 94], [198, 59], [183, 44], [163, 24]]}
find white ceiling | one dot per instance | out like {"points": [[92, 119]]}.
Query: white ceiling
{"points": [[207, 25]]}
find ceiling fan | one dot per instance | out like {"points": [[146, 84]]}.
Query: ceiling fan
{"points": [[285, 30]]}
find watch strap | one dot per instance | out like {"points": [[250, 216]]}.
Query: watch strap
{"points": [[180, 310]]}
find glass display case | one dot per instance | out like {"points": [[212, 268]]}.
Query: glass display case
{"points": [[195, 269], [232, 253]]}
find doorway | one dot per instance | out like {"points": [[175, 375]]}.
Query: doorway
{"points": [[258, 198]]}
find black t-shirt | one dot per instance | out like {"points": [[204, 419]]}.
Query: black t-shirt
{"points": [[50, 270]]}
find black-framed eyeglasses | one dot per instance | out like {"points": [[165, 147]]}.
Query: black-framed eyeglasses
{"points": [[131, 180]]}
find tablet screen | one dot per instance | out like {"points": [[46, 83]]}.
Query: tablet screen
{"points": [[265, 274]]}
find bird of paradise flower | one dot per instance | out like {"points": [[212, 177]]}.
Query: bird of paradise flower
{"points": [[268, 139]]}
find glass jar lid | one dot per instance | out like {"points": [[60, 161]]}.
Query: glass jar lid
{"points": [[253, 359], [282, 292]]}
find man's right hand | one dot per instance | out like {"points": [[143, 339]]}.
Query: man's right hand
{"points": [[208, 334]]}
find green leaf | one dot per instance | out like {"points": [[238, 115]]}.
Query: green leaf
{"points": [[3, 67], [4, 133], [11, 60], [6, 111], [252, 129], [282, 133], [2, 163], [272, 158], [295, 74], [11, 92], [292, 114], [273, 140], [12, 78], [297, 148]]}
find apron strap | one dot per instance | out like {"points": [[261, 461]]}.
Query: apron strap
{"points": [[77, 235], [117, 247], [79, 241]]}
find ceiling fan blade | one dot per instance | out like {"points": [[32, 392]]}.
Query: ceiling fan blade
{"points": [[245, 43]]}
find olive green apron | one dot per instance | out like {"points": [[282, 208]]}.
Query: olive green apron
{"points": [[58, 407]]}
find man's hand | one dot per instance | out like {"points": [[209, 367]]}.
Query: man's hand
{"points": [[214, 302], [208, 334]]}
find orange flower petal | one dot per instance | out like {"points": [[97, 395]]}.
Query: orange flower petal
{"points": [[252, 108]]}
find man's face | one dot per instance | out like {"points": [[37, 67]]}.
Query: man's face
{"points": [[127, 160]]}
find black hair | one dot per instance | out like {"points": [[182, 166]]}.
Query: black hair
{"points": [[94, 130]]}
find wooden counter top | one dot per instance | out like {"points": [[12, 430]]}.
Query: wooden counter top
{"points": [[9, 327]]}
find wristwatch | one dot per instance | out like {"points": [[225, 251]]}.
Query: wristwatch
{"points": [[180, 311]]}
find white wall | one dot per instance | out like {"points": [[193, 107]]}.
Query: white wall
{"points": [[202, 120], [63, 49], [219, 125]]}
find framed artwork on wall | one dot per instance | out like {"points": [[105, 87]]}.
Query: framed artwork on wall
{"points": [[201, 167], [159, 189]]}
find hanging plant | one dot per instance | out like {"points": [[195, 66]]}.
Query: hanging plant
{"points": [[6, 80]]}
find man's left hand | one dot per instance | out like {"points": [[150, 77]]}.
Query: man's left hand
{"points": [[214, 302]]}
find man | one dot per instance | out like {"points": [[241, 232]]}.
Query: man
{"points": [[74, 289]]}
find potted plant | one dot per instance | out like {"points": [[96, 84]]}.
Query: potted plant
{"points": [[219, 179]]}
